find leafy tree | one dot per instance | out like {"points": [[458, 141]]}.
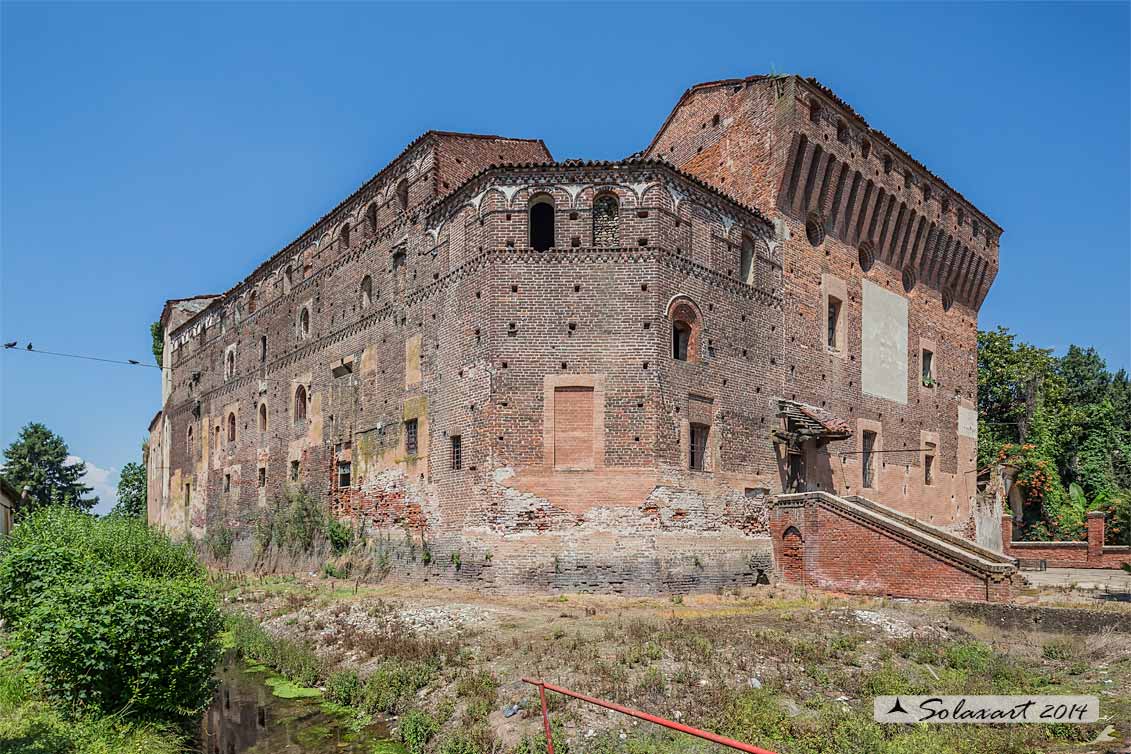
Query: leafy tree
{"points": [[37, 461], [132, 491], [157, 333]]}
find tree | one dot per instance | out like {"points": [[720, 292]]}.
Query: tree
{"points": [[157, 333], [37, 461], [132, 491]]}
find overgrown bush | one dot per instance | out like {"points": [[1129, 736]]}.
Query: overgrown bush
{"points": [[114, 640], [340, 535], [394, 684], [109, 615], [416, 730], [218, 542]]}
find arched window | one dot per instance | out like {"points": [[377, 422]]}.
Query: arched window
{"points": [[746, 263], [300, 404], [231, 427], [217, 436], [686, 326], [842, 132], [606, 210], [344, 236], [371, 217], [402, 194], [251, 303], [815, 111], [366, 292], [262, 417], [230, 365], [304, 322], [263, 349], [191, 449], [542, 222]]}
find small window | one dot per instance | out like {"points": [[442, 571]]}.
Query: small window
{"points": [[698, 457], [188, 494], [410, 446], [344, 468], [263, 349], [888, 164], [867, 459], [929, 468], [457, 452], [191, 447], [304, 322], [606, 210], [909, 279], [294, 471], [402, 195], [928, 364], [865, 148], [300, 404], [230, 365], [366, 292], [227, 483], [833, 330], [371, 217], [344, 237], [947, 298], [251, 303], [842, 132], [262, 417], [231, 427], [814, 111], [866, 256], [262, 477], [542, 223], [681, 339], [815, 229], [746, 261]]}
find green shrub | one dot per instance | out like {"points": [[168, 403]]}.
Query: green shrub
{"points": [[28, 573], [298, 521], [116, 639], [338, 534], [394, 683], [416, 730], [344, 687], [294, 659], [116, 542]]}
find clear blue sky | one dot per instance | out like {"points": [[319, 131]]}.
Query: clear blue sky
{"points": [[154, 151]]}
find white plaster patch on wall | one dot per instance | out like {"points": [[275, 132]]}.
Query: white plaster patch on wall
{"points": [[967, 422], [883, 368]]}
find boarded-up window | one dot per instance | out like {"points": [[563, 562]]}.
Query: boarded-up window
{"points": [[573, 427], [605, 211]]}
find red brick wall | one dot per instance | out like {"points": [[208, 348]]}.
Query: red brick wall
{"points": [[753, 150], [844, 554], [1089, 554]]}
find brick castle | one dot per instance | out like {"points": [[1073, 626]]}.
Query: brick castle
{"points": [[605, 375]]}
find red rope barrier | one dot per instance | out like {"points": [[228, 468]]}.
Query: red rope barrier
{"points": [[714, 737]]}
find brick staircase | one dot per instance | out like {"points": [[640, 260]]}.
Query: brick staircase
{"points": [[852, 544]]}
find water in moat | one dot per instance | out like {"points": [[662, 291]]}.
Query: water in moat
{"points": [[247, 717]]}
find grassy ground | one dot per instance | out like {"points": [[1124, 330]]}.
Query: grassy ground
{"points": [[770, 666], [30, 725]]}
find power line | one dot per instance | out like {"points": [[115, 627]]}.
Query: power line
{"points": [[30, 349]]}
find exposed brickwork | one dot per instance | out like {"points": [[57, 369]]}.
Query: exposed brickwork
{"points": [[593, 453]]}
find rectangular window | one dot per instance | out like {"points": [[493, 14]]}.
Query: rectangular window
{"points": [[344, 468], [457, 452], [227, 483], [928, 362], [928, 469], [867, 458], [410, 447], [188, 494], [262, 477], [294, 471], [833, 333], [698, 458]]}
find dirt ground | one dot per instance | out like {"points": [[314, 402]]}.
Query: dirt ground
{"points": [[790, 667]]}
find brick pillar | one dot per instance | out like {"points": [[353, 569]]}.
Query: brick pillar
{"points": [[1006, 532], [1095, 535]]}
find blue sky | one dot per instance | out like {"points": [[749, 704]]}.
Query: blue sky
{"points": [[154, 151]]}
